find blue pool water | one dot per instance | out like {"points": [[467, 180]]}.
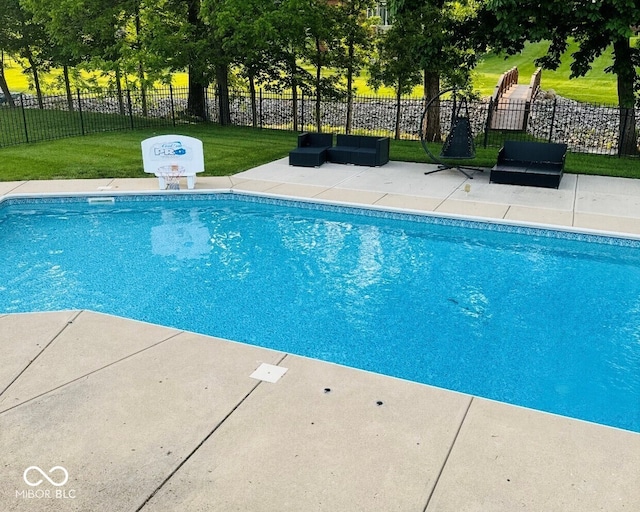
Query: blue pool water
{"points": [[536, 318]]}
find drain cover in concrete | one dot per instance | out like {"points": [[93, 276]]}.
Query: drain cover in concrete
{"points": [[268, 372]]}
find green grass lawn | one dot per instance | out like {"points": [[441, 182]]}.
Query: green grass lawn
{"points": [[228, 150], [596, 87], [118, 154]]}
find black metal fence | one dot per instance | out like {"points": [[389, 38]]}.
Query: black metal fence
{"points": [[54, 117], [585, 128]]}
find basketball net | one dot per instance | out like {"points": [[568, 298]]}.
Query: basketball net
{"points": [[171, 174]]}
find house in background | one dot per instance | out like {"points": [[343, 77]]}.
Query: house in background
{"points": [[381, 11]]}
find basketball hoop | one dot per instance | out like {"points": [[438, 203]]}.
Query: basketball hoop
{"points": [[171, 157], [171, 174]]}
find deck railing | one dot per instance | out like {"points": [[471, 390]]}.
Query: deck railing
{"points": [[506, 80], [534, 84]]}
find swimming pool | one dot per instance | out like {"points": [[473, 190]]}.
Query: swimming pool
{"points": [[539, 318]]}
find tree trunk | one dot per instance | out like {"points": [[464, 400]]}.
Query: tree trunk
{"points": [[351, 52], [143, 89], [294, 93], [254, 102], [141, 79], [432, 129], [398, 110], [222, 79], [4, 86], [318, 79], [67, 87], [119, 92], [36, 81], [196, 101], [626, 74]]}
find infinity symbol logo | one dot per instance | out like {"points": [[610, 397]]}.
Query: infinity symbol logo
{"points": [[54, 468]]}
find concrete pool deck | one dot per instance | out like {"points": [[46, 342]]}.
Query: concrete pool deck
{"points": [[145, 417]]}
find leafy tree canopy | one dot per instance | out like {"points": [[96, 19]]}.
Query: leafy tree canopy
{"points": [[595, 25]]}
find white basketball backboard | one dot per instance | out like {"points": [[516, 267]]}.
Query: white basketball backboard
{"points": [[173, 150]]}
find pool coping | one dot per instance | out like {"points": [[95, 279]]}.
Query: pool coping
{"points": [[421, 449]]}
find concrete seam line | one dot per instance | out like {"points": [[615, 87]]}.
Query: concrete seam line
{"points": [[446, 459], [54, 337], [206, 438], [86, 374]]}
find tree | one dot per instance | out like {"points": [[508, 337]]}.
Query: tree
{"points": [[172, 35], [288, 22], [4, 87], [22, 36], [5, 23], [136, 38], [394, 66], [303, 32], [248, 39], [86, 31], [207, 56], [595, 26], [199, 70], [437, 37], [357, 34], [322, 43]]}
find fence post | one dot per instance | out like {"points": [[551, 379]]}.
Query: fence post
{"points": [[302, 110], [488, 123], [24, 119], [130, 106], [173, 111], [207, 115], [527, 112], [260, 108], [553, 118], [622, 130], [80, 112]]}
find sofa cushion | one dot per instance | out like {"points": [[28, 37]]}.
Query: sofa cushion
{"points": [[308, 156], [310, 139]]}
